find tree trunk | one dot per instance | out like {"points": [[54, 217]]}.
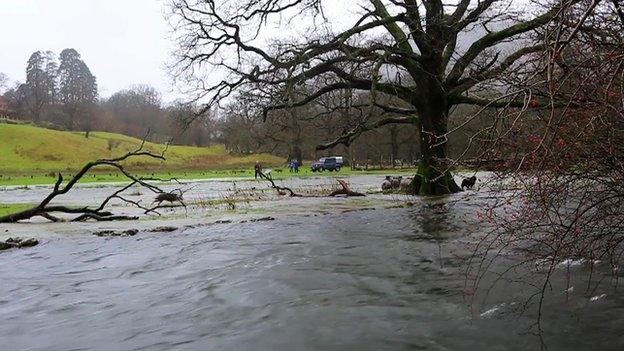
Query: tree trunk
{"points": [[433, 176]]}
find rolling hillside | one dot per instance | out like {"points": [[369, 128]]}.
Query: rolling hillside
{"points": [[26, 149]]}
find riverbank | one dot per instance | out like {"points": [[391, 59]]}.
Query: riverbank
{"points": [[31, 155], [34, 155], [6, 209]]}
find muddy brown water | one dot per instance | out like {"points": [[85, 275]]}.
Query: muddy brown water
{"points": [[340, 274]]}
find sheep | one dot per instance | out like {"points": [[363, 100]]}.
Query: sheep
{"points": [[405, 183], [387, 184], [396, 182], [393, 183]]}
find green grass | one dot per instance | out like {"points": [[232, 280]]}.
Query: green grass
{"points": [[32, 155], [6, 209]]}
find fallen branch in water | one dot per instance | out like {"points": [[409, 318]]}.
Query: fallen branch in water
{"points": [[280, 189], [47, 211], [345, 190]]}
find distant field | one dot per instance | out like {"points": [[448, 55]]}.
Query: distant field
{"points": [[31, 152], [32, 155]]}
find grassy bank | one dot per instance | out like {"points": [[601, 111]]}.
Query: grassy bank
{"points": [[6, 209], [33, 155]]}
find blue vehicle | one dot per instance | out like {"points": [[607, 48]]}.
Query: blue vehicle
{"points": [[327, 164]]}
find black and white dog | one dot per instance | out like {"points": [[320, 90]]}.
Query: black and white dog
{"points": [[468, 183]]}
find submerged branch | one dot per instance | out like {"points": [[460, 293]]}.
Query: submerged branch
{"points": [[45, 210], [345, 189]]}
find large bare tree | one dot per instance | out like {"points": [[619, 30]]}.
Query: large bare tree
{"points": [[432, 55]]}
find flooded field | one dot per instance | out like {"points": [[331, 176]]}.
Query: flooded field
{"points": [[313, 274]]}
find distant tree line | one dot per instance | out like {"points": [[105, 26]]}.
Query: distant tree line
{"points": [[59, 89], [61, 92]]}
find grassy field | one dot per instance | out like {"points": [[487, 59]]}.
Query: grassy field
{"points": [[32, 155], [279, 173], [6, 209]]}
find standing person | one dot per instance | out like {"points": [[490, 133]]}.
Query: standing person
{"points": [[291, 165], [296, 165], [258, 170]]}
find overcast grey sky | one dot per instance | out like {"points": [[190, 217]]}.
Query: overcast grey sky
{"points": [[124, 42]]}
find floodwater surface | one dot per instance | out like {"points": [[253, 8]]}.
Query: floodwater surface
{"points": [[354, 275]]}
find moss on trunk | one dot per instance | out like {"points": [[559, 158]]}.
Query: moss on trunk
{"points": [[429, 181]]}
